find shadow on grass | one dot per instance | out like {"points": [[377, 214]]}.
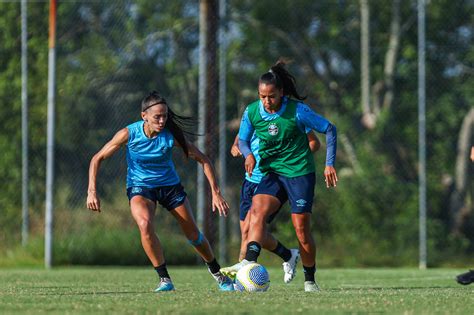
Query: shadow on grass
{"points": [[384, 288], [95, 293], [60, 291]]}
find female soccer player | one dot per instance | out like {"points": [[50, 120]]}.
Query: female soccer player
{"points": [[152, 178], [286, 162], [290, 256]]}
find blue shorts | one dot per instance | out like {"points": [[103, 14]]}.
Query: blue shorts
{"points": [[298, 190], [246, 194], [169, 197]]}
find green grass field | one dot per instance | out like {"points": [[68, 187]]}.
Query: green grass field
{"points": [[130, 291]]}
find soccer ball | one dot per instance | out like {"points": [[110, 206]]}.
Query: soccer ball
{"points": [[252, 278]]}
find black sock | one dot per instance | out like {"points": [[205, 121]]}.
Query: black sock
{"points": [[253, 251], [162, 271], [309, 273], [213, 266], [282, 251]]}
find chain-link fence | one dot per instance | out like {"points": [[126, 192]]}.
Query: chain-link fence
{"points": [[110, 54]]}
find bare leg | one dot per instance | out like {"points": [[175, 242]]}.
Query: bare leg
{"points": [[302, 225], [262, 207], [244, 231], [143, 212], [185, 218], [269, 241]]}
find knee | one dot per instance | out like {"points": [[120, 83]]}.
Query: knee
{"points": [[258, 216], [303, 234], [145, 226]]}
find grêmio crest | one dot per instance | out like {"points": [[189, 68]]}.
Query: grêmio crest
{"points": [[272, 129]]}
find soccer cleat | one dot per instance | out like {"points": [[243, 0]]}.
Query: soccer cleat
{"points": [[311, 286], [165, 285], [289, 267], [231, 271], [224, 282], [466, 278]]}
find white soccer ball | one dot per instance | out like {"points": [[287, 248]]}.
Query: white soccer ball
{"points": [[252, 278]]}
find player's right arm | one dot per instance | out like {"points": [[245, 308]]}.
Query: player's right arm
{"points": [[246, 131], [120, 138]]}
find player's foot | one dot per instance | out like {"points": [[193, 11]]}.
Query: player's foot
{"points": [[311, 286], [224, 282], [466, 278], [165, 285], [289, 267], [231, 271]]}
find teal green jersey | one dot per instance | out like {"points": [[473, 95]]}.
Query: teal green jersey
{"points": [[283, 146]]}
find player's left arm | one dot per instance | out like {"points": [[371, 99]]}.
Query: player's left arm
{"points": [[218, 201], [309, 119]]}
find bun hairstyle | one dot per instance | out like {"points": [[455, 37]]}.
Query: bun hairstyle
{"points": [[282, 79], [178, 125]]}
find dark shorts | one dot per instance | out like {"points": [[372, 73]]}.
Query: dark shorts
{"points": [[169, 197], [299, 191], [246, 194]]}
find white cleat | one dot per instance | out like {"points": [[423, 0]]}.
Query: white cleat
{"points": [[311, 286], [289, 267], [231, 271]]}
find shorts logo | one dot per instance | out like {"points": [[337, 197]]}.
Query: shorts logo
{"points": [[179, 199], [272, 129], [136, 190], [301, 202]]}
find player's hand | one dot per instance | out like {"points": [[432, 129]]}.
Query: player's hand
{"points": [[250, 164], [93, 202], [219, 203], [234, 151], [330, 176]]}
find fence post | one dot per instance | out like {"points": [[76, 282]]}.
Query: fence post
{"points": [[48, 233]]}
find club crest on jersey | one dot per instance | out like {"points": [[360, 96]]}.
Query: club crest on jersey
{"points": [[272, 129]]}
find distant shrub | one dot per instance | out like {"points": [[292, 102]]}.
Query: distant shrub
{"points": [[97, 246]]}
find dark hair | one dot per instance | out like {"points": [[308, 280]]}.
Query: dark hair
{"points": [[178, 125], [282, 79]]}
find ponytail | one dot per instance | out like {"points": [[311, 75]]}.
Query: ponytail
{"points": [[282, 79], [178, 125]]}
